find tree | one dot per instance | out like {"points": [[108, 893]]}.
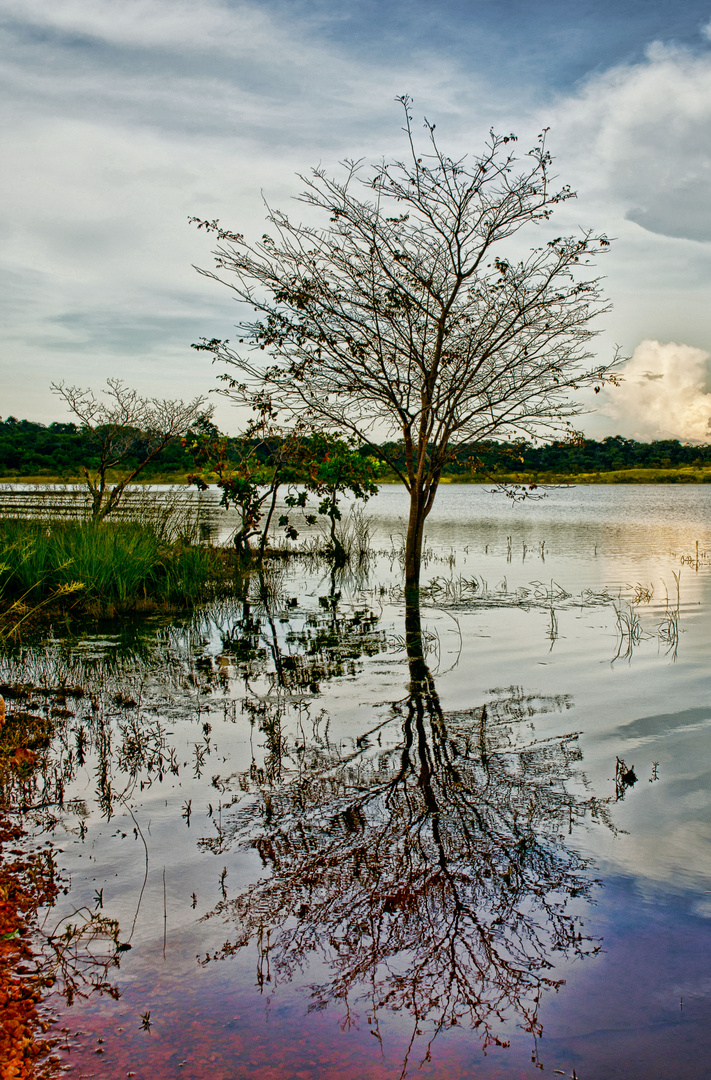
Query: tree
{"points": [[126, 430], [403, 313], [252, 469], [331, 467]]}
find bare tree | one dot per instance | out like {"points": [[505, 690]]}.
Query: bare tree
{"points": [[403, 314], [123, 426]]}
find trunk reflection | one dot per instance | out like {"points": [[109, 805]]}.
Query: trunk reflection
{"points": [[428, 875]]}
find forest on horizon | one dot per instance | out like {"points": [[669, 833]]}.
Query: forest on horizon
{"points": [[59, 450]]}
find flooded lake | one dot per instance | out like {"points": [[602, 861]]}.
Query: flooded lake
{"points": [[334, 855]]}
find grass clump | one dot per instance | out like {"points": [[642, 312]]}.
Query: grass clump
{"points": [[104, 569]]}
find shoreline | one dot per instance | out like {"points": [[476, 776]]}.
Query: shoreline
{"points": [[686, 475]]}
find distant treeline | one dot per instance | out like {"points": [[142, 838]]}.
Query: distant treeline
{"points": [[581, 456], [59, 450]]}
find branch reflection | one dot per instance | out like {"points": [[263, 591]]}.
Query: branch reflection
{"points": [[425, 868]]}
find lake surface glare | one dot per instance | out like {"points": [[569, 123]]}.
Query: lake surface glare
{"points": [[323, 871]]}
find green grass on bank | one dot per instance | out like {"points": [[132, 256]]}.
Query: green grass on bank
{"points": [[685, 474], [112, 477], [105, 569]]}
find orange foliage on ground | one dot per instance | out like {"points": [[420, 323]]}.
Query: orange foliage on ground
{"points": [[27, 883]]}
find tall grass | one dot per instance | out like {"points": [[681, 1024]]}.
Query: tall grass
{"points": [[173, 513], [120, 566]]}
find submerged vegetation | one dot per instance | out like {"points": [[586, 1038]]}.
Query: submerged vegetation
{"points": [[371, 861]]}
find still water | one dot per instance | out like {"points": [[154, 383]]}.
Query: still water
{"points": [[325, 868]]}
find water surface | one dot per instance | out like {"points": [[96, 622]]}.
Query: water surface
{"points": [[324, 870]]}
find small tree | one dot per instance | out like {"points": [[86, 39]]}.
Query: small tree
{"points": [[251, 471], [331, 467], [403, 315], [126, 431]]}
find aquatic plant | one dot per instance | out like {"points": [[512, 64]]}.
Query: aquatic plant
{"points": [[116, 566]]}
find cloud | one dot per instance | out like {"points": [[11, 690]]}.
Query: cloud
{"points": [[126, 116], [187, 25], [266, 70], [642, 135], [664, 394]]}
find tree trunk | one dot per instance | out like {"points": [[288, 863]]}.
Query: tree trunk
{"points": [[413, 542], [413, 642], [265, 531], [241, 543], [340, 556]]}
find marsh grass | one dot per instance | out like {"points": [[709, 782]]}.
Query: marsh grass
{"points": [[354, 536], [105, 569], [468, 592], [173, 512], [460, 593]]}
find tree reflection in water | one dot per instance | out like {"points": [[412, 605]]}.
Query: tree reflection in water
{"points": [[426, 868]]}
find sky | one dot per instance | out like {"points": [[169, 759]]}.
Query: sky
{"points": [[122, 118]]}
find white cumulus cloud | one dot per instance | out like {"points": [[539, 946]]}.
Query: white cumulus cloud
{"points": [[664, 394], [642, 135]]}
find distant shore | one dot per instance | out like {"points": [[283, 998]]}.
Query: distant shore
{"points": [[683, 475]]}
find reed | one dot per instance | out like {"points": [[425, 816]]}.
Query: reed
{"points": [[120, 566]]}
